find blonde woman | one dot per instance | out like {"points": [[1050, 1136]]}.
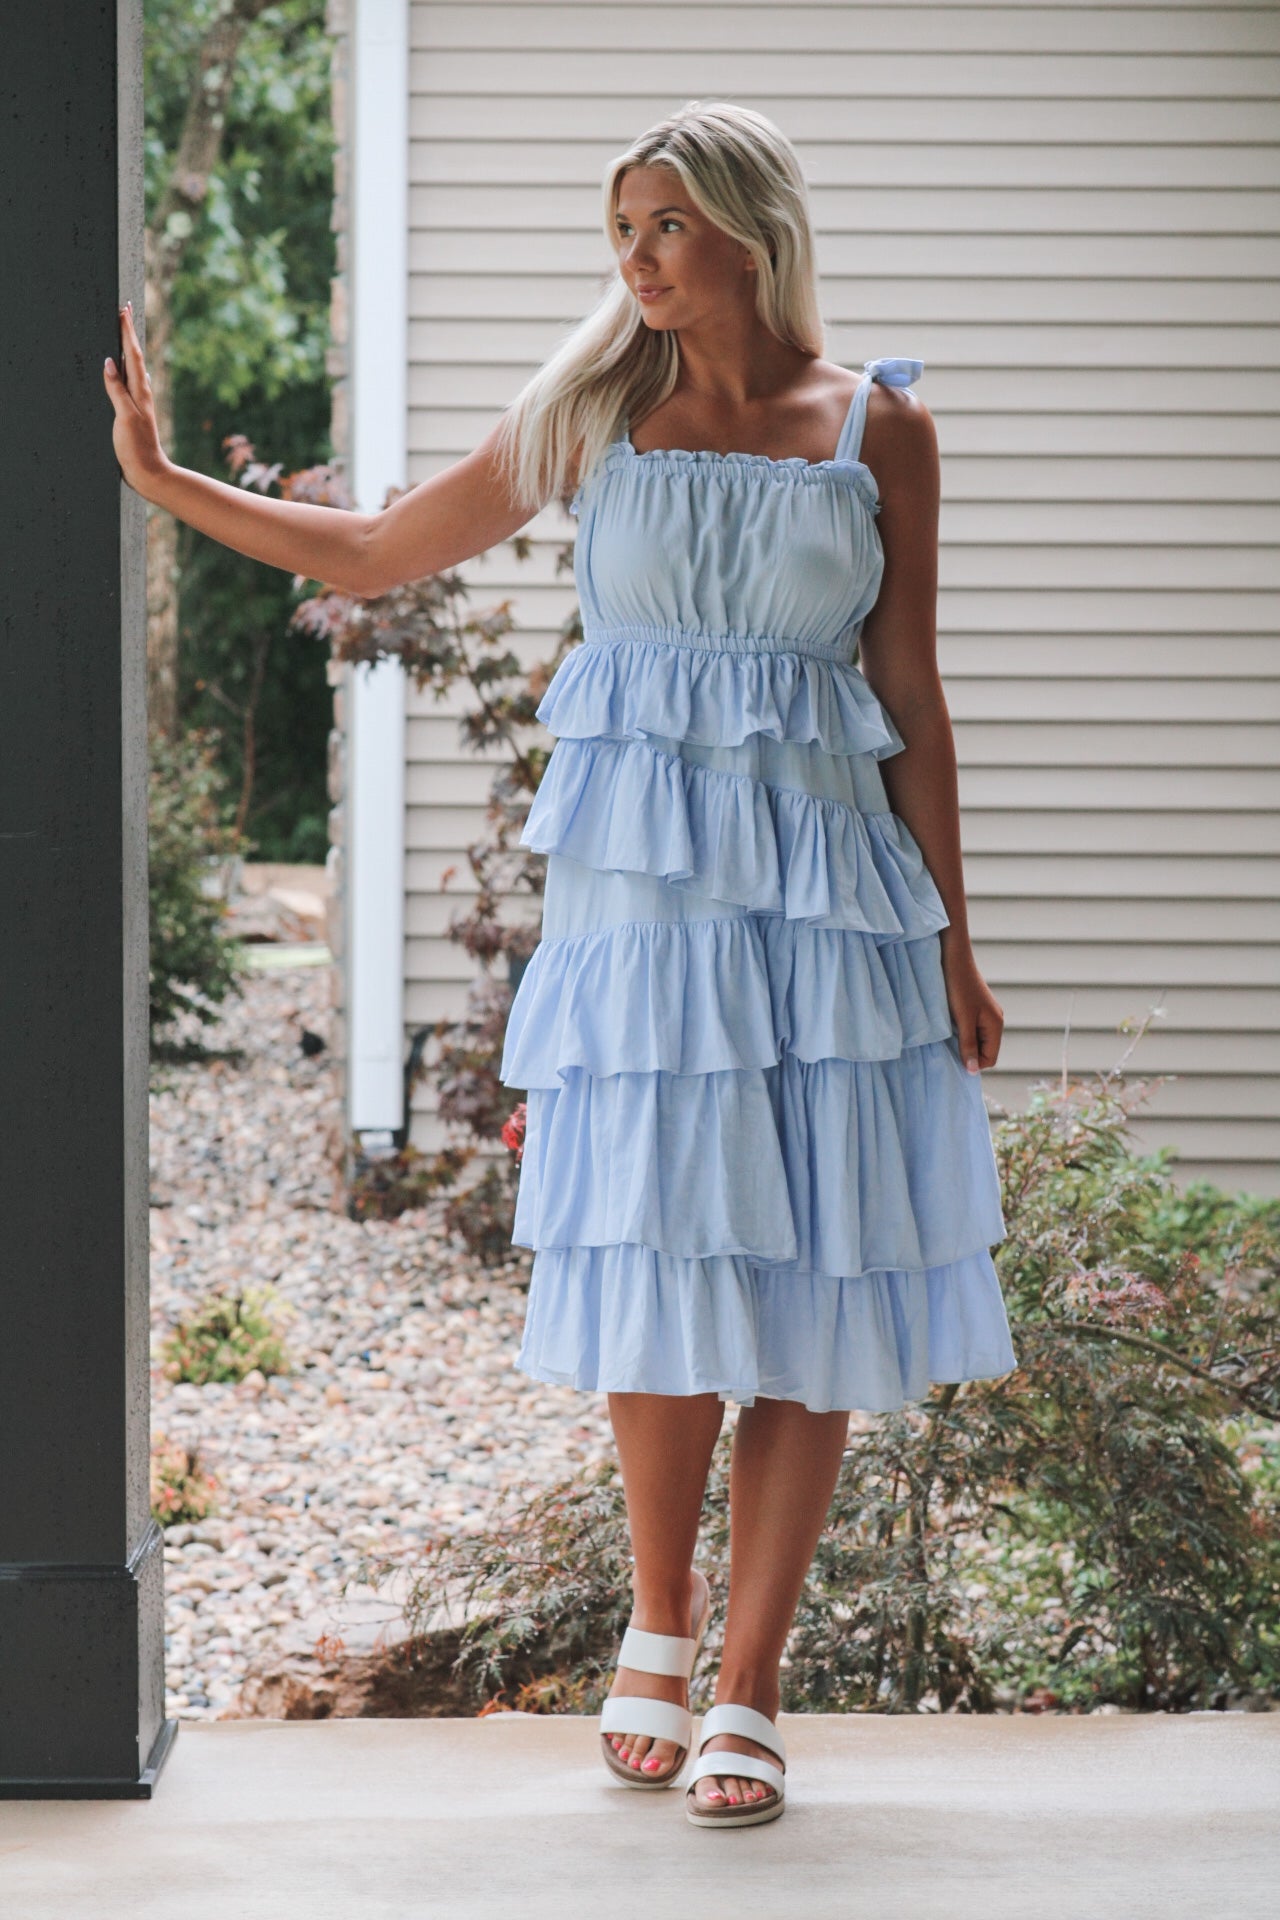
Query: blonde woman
{"points": [[757, 1164]]}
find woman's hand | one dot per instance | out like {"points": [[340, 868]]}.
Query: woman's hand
{"points": [[435, 526], [134, 433], [978, 1015]]}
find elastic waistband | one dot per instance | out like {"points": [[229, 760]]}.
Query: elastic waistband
{"points": [[839, 651]]}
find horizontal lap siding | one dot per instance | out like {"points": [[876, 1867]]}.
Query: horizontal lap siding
{"points": [[1071, 215]]}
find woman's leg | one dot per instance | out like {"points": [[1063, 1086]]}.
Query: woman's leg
{"points": [[785, 1464], [665, 1444]]}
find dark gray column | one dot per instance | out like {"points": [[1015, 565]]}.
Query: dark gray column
{"points": [[81, 1623]]}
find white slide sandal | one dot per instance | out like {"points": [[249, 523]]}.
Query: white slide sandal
{"points": [[668, 1653], [731, 1718]]}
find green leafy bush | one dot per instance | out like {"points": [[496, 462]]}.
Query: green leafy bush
{"points": [[1102, 1524], [193, 965], [229, 1336]]}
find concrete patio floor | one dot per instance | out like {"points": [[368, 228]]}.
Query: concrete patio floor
{"points": [[1033, 1816]]}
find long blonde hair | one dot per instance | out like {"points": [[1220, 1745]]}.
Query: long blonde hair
{"points": [[741, 173]]}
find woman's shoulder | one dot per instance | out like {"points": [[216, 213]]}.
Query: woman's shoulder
{"points": [[900, 443], [892, 393]]}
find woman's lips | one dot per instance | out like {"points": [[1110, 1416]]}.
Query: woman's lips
{"points": [[651, 293]]}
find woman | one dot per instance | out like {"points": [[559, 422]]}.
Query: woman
{"points": [[757, 1162]]}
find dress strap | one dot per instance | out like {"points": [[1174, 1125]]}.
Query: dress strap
{"points": [[890, 373]]}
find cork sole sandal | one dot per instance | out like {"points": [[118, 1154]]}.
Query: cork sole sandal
{"points": [[742, 1766], [666, 1653]]}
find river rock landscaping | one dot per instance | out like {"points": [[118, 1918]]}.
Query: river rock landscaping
{"points": [[400, 1417]]}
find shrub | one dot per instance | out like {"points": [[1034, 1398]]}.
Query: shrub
{"points": [[227, 1338], [192, 964], [180, 1487], [544, 1593], [1100, 1524]]}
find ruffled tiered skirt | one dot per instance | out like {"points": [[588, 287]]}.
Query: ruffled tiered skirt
{"points": [[754, 1161]]}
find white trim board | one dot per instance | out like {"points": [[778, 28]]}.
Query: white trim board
{"points": [[375, 790]]}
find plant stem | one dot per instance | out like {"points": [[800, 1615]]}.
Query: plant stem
{"points": [[1084, 1330], [914, 1674]]}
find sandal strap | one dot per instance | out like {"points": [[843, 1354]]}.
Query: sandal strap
{"points": [[669, 1653], [731, 1718], [660, 1719], [736, 1766]]}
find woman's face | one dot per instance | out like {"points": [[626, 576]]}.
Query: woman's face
{"points": [[683, 270]]}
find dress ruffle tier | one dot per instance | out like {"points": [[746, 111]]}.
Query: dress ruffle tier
{"points": [[633, 807], [651, 1322], [635, 685], [754, 1161]]}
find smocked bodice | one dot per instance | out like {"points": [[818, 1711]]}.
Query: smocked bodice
{"points": [[737, 549]]}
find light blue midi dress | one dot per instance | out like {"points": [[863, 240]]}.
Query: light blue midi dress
{"points": [[754, 1162]]}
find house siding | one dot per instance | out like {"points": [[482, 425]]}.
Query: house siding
{"points": [[1069, 213]]}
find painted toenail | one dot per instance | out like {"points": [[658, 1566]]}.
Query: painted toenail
{"points": [[651, 1765]]}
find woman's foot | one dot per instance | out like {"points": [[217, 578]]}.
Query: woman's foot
{"points": [[718, 1790], [651, 1758]]}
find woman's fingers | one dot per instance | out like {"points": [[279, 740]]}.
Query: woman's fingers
{"points": [[135, 365], [134, 431], [137, 381], [128, 349], [132, 344]]}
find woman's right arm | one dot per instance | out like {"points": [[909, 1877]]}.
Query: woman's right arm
{"points": [[436, 525]]}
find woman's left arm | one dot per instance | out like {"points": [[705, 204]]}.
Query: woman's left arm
{"points": [[898, 652]]}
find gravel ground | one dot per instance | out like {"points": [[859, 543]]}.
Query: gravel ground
{"points": [[404, 1416]]}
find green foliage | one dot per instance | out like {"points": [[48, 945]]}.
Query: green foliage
{"points": [[180, 1487], [229, 1336], [1204, 1217], [267, 697], [193, 965], [250, 298], [1102, 1524]]}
